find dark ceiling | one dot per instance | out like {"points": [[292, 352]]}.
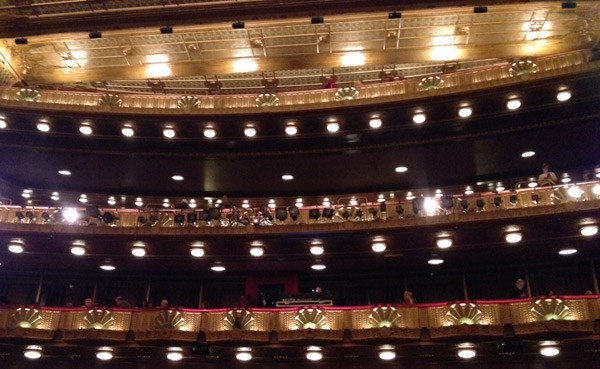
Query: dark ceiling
{"points": [[444, 151]]}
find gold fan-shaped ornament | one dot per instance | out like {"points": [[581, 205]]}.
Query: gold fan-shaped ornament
{"points": [[549, 309], [25, 318], [29, 95], [169, 320], [110, 100], [188, 102], [98, 319], [310, 318], [266, 100], [346, 93], [463, 313], [431, 83], [522, 67], [384, 316], [239, 320]]}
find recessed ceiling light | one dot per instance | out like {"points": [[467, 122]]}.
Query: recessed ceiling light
{"points": [[333, 127], [244, 66], [55, 196], [287, 177], [245, 204], [513, 104], [174, 353], [378, 246], [107, 267], [469, 190], [532, 182], [217, 268], [243, 354], [375, 122], [127, 131], [527, 154], [139, 201], [291, 129], [569, 251], [3, 123], [386, 352], [419, 117], [299, 203], [465, 111], [43, 126], [381, 198], [353, 59], [438, 193], [467, 353], [499, 187], [169, 132], [353, 201], [513, 237], [317, 249], [138, 249], [563, 95], [177, 177], [326, 202], [64, 172], [166, 203], [257, 251], [401, 169], [250, 131], [588, 230], [197, 249], [313, 353], [16, 246], [33, 352], [549, 351], [192, 203], [596, 189], [444, 242], [83, 198], [435, 261], [86, 129], [104, 353], [78, 248], [272, 204], [409, 196], [565, 178], [318, 267], [575, 192], [210, 132]]}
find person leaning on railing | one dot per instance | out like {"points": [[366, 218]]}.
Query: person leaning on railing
{"points": [[547, 178]]}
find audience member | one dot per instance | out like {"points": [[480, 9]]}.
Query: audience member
{"points": [[120, 302], [69, 304], [408, 298], [331, 83], [164, 304], [518, 292], [88, 303], [588, 292], [547, 178]]}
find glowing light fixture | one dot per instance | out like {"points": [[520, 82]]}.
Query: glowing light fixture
{"points": [[596, 189], [71, 215], [444, 242], [287, 177], [107, 267], [375, 122], [445, 53], [210, 132], [575, 192], [589, 230], [532, 183], [353, 59], [291, 129], [174, 353], [333, 127], [565, 178], [513, 104], [158, 70], [465, 112], [138, 249], [527, 154], [43, 126], [387, 352], [197, 249], [326, 202], [16, 246], [250, 131], [86, 129], [139, 201], [353, 201], [177, 177], [245, 204], [55, 196], [549, 351], [469, 190], [299, 203], [64, 172], [166, 203], [104, 353], [257, 251], [244, 66], [314, 353], [318, 267], [381, 198], [435, 261], [3, 122], [430, 205], [272, 204], [317, 249], [78, 248], [401, 169], [111, 200], [513, 237], [438, 193], [499, 187], [33, 352], [243, 354], [410, 196], [563, 95], [419, 117], [192, 204], [169, 132], [467, 353], [83, 198], [569, 251], [127, 131], [217, 268], [378, 245]]}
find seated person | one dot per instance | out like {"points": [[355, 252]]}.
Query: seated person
{"points": [[518, 292], [408, 298], [547, 178], [121, 303]]}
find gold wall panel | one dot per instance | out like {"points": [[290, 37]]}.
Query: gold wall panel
{"points": [[74, 320]]}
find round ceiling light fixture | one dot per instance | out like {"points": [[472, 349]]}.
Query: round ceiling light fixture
{"points": [[257, 250], [527, 154], [197, 249], [314, 353], [291, 129], [513, 104], [549, 349], [378, 245], [111, 200], [210, 132], [326, 202], [243, 354], [575, 192], [333, 127], [386, 352], [83, 198], [299, 203], [174, 353], [64, 172], [513, 237], [563, 95], [316, 248], [466, 353], [318, 267], [469, 190], [589, 230], [250, 131], [169, 132], [217, 267], [245, 204], [435, 261], [138, 249], [419, 117], [139, 202], [177, 177], [127, 131], [43, 126], [465, 112], [287, 177], [444, 242], [104, 353], [565, 178], [569, 251], [107, 266], [33, 352], [86, 129], [78, 248], [401, 169], [55, 196], [375, 122], [16, 246]]}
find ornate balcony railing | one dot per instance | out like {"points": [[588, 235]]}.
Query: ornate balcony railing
{"points": [[529, 202], [528, 316], [462, 81]]}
